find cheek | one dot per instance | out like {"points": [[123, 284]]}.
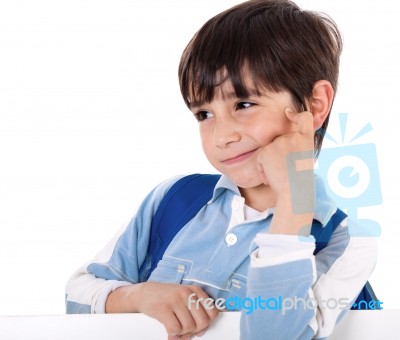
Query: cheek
{"points": [[266, 131], [265, 134]]}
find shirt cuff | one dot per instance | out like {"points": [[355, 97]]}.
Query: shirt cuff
{"points": [[99, 306], [276, 249]]}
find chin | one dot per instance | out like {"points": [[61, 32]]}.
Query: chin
{"points": [[246, 182]]}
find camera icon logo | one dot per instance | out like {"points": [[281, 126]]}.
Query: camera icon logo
{"points": [[351, 176]]}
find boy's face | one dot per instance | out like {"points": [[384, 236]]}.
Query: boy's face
{"points": [[234, 130]]}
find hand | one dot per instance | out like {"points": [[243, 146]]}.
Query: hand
{"points": [[272, 159], [286, 165], [169, 304]]}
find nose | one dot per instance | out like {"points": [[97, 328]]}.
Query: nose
{"points": [[226, 131]]}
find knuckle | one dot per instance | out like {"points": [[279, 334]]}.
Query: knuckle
{"points": [[213, 313], [263, 155], [173, 329], [202, 323], [189, 326], [197, 289], [200, 334], [185, 291], [199, 292]]}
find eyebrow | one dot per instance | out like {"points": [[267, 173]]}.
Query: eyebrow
{"points": [[252, 92]]}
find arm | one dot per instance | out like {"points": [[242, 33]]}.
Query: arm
{"points": [[115, 266], [166, 302], [112, 282], [314, 291]]}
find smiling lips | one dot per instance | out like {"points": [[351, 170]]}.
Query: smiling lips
{"points": [[239, 158]]}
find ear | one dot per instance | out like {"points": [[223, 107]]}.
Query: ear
{"points": [[321, 102]]}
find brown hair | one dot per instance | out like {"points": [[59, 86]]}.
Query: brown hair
{"points": [[284, 47]]}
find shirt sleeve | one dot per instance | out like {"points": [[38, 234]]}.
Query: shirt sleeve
{"points": [[302, 296], [118, 263]]}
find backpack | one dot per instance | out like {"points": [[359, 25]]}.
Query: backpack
{"points": [[180, 205]]}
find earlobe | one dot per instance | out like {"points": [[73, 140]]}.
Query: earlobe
{"points": [[321, 102]]}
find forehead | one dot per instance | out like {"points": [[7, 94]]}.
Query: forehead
{"points": [[224, 87]]}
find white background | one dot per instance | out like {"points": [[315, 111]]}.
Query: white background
{"points": [[91, 119]]}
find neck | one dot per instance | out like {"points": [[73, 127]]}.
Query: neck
{"points": [[260, 198]]}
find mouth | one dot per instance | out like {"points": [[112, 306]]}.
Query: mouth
{"points": [[239, 158]]}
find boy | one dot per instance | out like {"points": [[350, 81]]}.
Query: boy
{"points": [[260, 78]]}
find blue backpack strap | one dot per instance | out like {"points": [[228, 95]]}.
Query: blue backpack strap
{"points": [[367, 299], [321, 234], [179, 205]]}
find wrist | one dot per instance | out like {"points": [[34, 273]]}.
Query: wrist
{"points": [[125, 299], [287, 221]]}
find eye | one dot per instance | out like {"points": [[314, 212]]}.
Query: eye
{"points": [[244, 105], [203, 115]]}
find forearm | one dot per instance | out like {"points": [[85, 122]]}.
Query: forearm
{"points": [[284, 267], [285, 219], [282, 291], [86, 293]]}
